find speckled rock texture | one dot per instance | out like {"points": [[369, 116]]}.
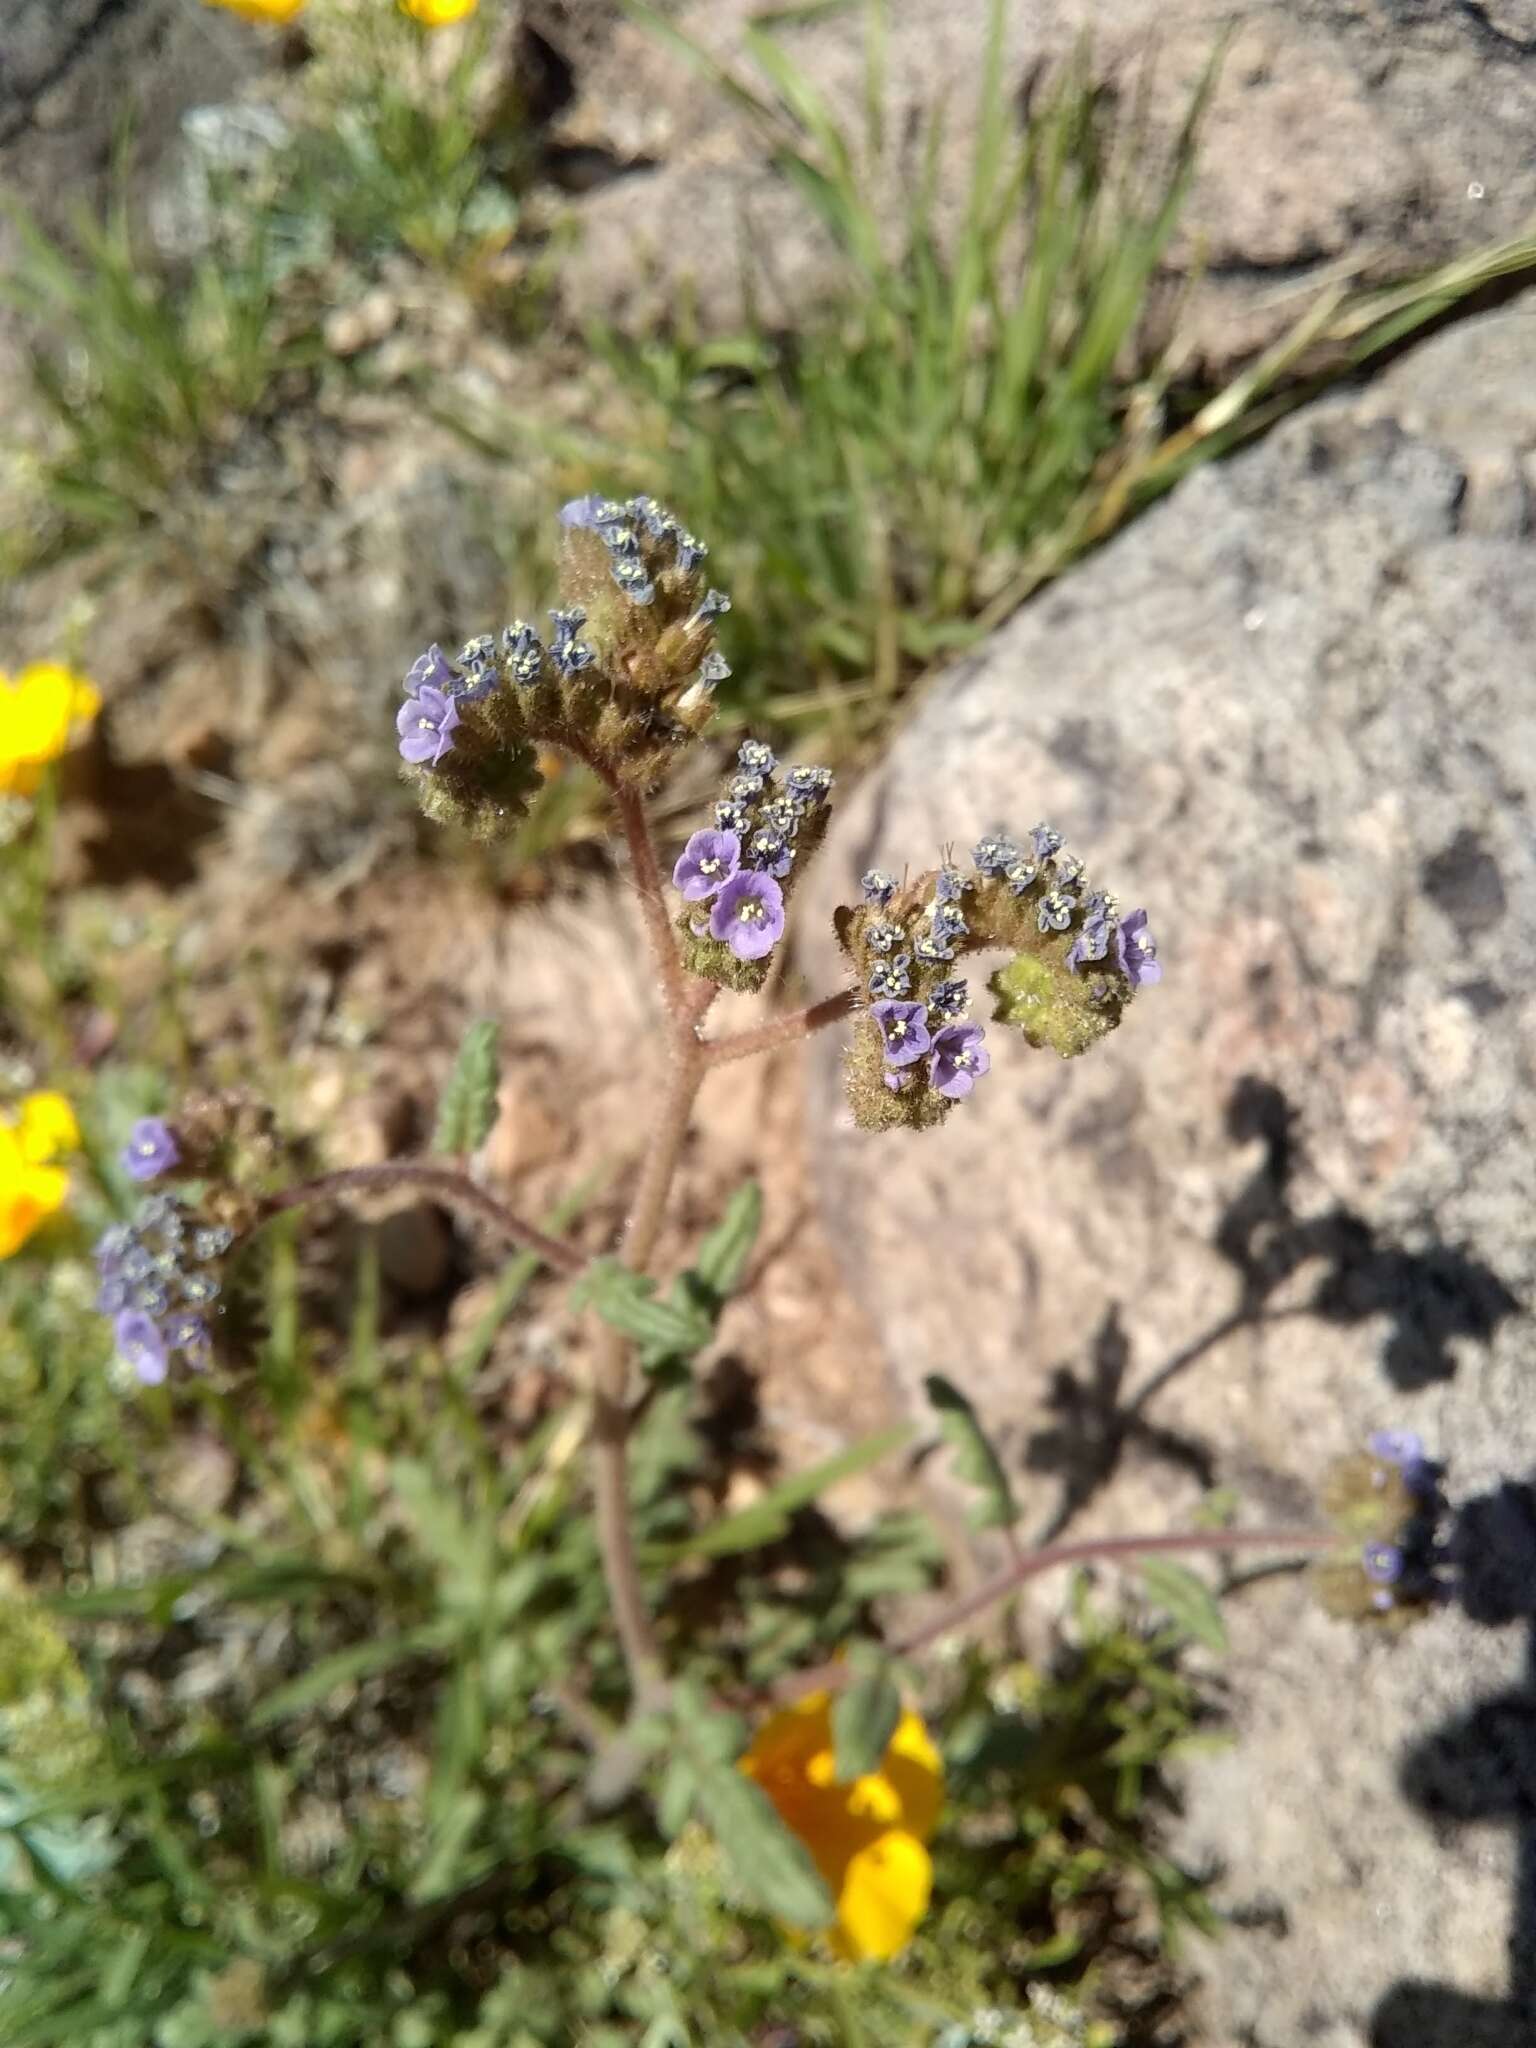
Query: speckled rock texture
{"points": [[1369, 137], [1291, 1200], [79, 76]]}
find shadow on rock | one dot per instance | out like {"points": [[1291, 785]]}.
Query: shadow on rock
{"points": [[1430, 1296], [1480, 1769]]}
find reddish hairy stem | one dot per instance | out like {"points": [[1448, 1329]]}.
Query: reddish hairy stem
{"points": [[457, 1190], [686, 1002], [1087, 1550], [743, 1045], [653, 905]]}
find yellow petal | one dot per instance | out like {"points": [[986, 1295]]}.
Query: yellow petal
{"points": [[885, 1893], [29, 1194], [792, 1737], [914, 1769], [438, 13], [40, 710], [45, 1128], [85, 703], [261, 10]]}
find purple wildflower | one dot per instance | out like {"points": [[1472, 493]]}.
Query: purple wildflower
{"points": [[582, 512], [883, 937], [1092, 942], [1136, 951], [141, 1345], [151, 1149], [426, 723], [656, 519], [1382, 1563], [903, 1031], [753, 757], [189, 1334], [891, 978], [712, 605], [706, 864], [1046, 841], [748, 915], [948, 885], [994, 853], [948, 1000], [432, 669], [808, 787], [524, 652], [632, 577], [959, 1060], [567, 652], [1055, 912], [690, 552], [714, 668], [1021, 874], [878, 887], [1404, 1448], [770, 853]]}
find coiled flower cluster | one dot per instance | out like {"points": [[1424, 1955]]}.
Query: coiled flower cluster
{"points": [[745, 867], [1387, 1505], [160, 1284], [163, 1274], [623, 678], [1077, 961]]}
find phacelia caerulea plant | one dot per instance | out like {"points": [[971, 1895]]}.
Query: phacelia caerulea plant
{"points": [[623, 680]]}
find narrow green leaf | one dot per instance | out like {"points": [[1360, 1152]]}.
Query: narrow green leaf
{"points": [[468, 1107], [722, 1257], [677, 1327], [453, 1545], [976, 1462], [675, 1797], [769, 1518], [864, 1718], [771, 1865], [344, 1667], [444, 1858], [1186, 1599]]}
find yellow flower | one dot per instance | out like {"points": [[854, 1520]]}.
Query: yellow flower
{"points": [[32, 1188], [868, 1838], [39, 714], [261, 10], [438, 13]]}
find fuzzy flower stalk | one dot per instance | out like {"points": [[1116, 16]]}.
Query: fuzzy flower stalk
{"points": [[622, 676], [736, 876], [1077, 963], [1387, 1505]]}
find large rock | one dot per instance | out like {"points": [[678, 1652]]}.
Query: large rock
{"points": [[1291, 1200], [73, 72], [1356, 139]]}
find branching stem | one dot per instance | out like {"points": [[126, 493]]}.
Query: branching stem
{"points": [[834, 1676], [686, 1001], [454, 1189], [743, 1045]]}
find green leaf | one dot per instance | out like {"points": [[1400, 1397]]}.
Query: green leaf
{"points": [[468, 1107], [344, 1667], [766, 1520], [450, 1839], [771, 1865], [722, 1257], [628, 1301], [976, 1462], [864, 1718], [676, 1794], [1186, 1599]]}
